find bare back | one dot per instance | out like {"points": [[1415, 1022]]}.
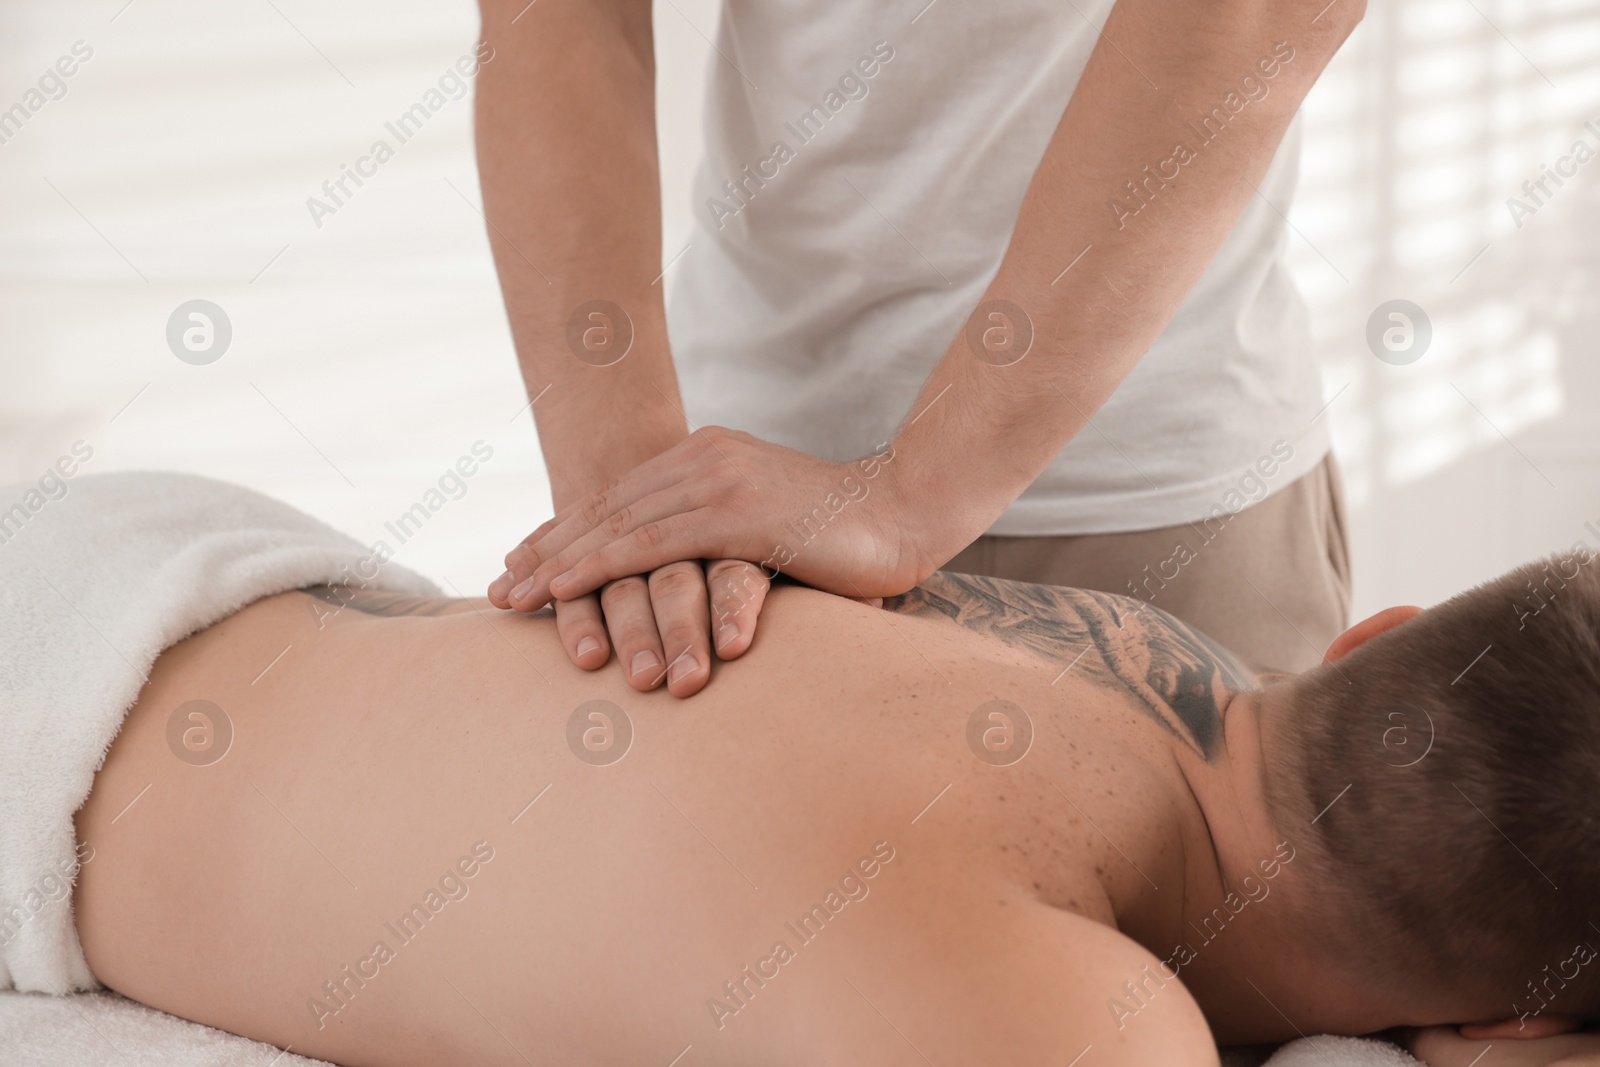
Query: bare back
{"points": [[408, 831]]}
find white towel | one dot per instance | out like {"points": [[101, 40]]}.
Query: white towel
{"points": [[97, 1029], [1328, 1051], [94, 585]]}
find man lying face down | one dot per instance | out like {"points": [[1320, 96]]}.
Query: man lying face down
{"points": [[994, 823]]}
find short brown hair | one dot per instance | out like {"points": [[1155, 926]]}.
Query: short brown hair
{"points": [[1452, 769]]}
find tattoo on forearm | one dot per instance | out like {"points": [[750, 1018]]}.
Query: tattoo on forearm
{"points": [[1178, 674]]}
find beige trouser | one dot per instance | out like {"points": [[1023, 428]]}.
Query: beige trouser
{"points": [[1272, 583]]}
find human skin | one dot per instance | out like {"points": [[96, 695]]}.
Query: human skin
{"points": [[1543, 1042], [390, 736], [572, 84], [1092, 284]]}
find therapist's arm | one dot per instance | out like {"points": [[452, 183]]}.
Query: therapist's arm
{"points": [[1148, 239], [980, 432], [566, 143]]}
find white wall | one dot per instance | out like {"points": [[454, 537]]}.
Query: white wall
{"points": [[371, 352], [1483, 452], [369, 355]]}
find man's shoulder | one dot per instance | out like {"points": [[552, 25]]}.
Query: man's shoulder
{"points": [[1091, 966], [1038, 984]]}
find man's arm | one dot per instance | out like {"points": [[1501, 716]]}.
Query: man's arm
{"points": [[1125, 210], [566, 140]]}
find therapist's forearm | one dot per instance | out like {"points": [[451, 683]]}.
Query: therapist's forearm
{"points": [[567, 159], [980, 433]]}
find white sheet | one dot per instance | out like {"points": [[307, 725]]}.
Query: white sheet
{"points": [[96, 1029]]}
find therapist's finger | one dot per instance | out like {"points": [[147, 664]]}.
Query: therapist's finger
{"points": [[653, 544], [548, 538], [521, 562], [690, 472], [683, 617], [531, 567], [582, 631], [632, 621], [738, 589], [675, 466], [572, 521]]}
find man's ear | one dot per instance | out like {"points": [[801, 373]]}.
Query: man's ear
{"points": [[1368, 628]]}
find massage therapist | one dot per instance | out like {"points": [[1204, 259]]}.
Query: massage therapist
{"points": [[995, 288]]}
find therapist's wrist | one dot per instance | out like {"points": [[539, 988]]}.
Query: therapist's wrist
{"points": [[923, 506], [598, 419], [604, 453], [945, 495]]}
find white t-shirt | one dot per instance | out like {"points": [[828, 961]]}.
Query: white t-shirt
{"points": [[862, 176]]}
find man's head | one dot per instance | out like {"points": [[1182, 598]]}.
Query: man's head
{"points": [[1450, 761]]}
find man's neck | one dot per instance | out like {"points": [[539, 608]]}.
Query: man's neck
{"points": [[1239, 939]]}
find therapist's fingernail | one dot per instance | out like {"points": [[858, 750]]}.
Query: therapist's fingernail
{"points": [[682, 667], [560, 581], [644, 661], [586, 646], [523, 590], [502, 585], [725, 635]]}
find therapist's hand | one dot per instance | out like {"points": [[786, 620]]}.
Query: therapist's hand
{"points": [[663, 623], [723, 494]]}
